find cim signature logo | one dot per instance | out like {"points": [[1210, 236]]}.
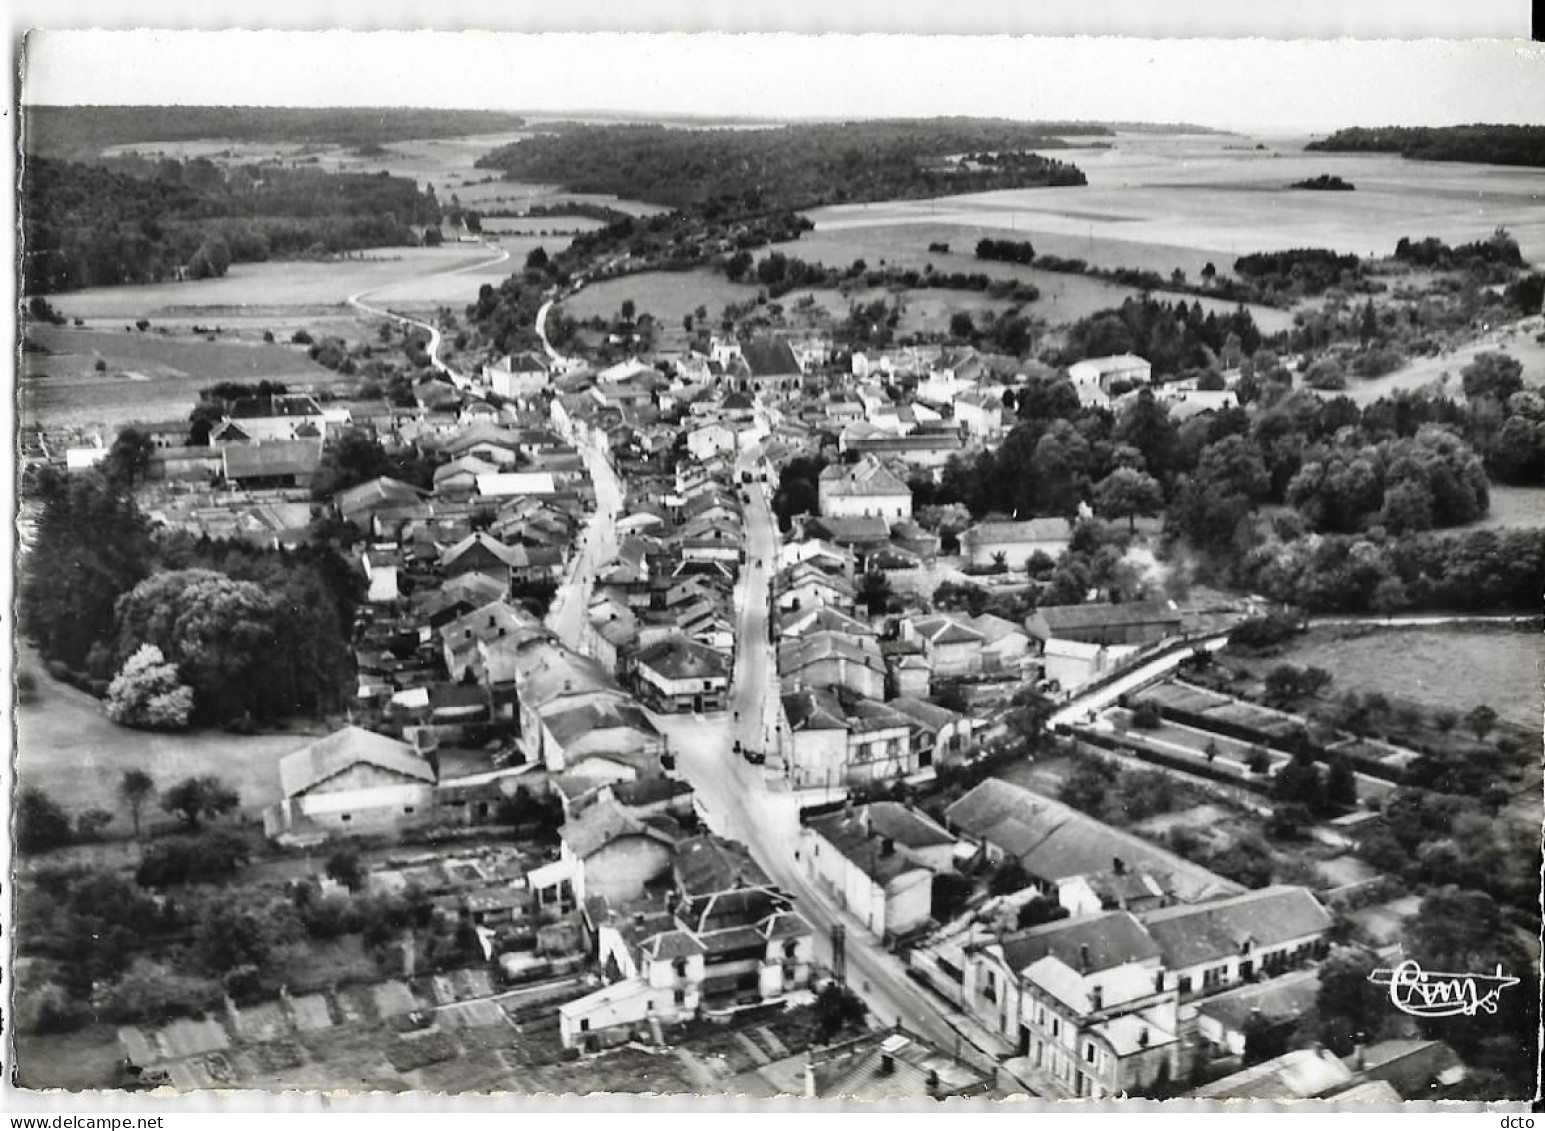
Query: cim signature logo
{"points": [[1429, 994]]}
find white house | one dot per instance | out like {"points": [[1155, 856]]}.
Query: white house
{"points": [[1211, 946], [873, 878], [516, 375], [1018, 542], [1101, 373], [866, 489], [352, 782]]}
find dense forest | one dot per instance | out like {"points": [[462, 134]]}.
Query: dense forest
{"points": [[134, 220], [797, 166], [85, 131], [1495, 145]]}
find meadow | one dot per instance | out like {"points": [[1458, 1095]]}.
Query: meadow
{"points": [[1437, 667], [668, 295], [1514, 508], [151, 375], [1519, 340], [68, 748]]}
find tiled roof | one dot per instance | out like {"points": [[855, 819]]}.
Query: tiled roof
{"points": [[708, 864], [1112, 938], [1215, 930], [602, 824], [1099, 614], [1030, 530], [1056, 842], [684, 659], [846, 833], [343, 749], [866, 478], [272, 457]]}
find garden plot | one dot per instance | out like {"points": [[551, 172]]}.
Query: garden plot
{"points": [[1179, 697], [311, 1013]]}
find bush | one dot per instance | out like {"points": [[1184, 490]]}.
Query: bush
{"points": [[149, 991], [49, 1009], [1146, 716], [26, 686], [215, 855], [41, 824], [301, 338]]}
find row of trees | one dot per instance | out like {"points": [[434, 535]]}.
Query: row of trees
{"points": [[42, 824]]}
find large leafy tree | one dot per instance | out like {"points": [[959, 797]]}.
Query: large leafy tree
{"points": [[149, 694], [1128, 493], [221, 634], [195, 798]]}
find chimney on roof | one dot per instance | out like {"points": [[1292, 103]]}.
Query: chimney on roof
{"points": [[1118, 865], [1083, 958], [887, 846], [1158, 981], [1096, 998], [1143, 1038]]}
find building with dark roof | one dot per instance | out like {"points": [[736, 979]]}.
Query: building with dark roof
{"points": [[1223, 942], [869, 874], [677, 675], [1132, 622]]}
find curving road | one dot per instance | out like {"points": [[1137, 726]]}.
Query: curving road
{"points": [[357, 301]]}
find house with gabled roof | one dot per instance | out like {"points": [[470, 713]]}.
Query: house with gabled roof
{"points": [[1086, 1002], [1223, 942], [483, 554], [353, 782], [938, 733], [869, 876], [457, 479], [953, 645], [805, 585], [866, 489], [272, 464], [827, 659], [360, 504], [517, 375], [722, 935], [1054, 842], [1017, 542], [614, 853], [1098, 622]]}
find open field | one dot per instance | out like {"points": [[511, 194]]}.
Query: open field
{"points": [[547, 226], [1064, 297], [277, 285], [1514, 508], [668, 295], [446, 163], [1194, 198], [1517, 340], [1440, 668], [149, 376], [67, 747]]}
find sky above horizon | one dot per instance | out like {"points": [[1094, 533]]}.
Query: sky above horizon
{"points": [[1260, 85]]}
